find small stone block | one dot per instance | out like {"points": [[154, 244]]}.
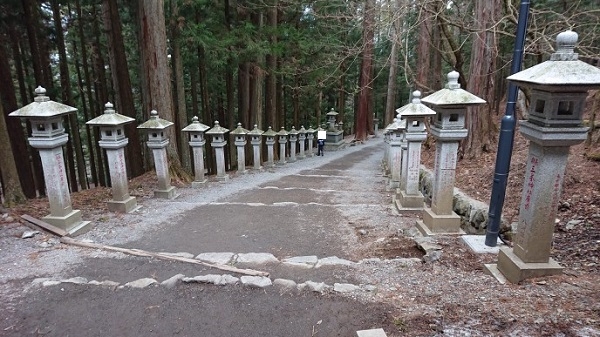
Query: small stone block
{"points": [[302, 261], [492, 269], [477, 244], [256, 258], [515, 270], [445, 223], [169, 193], [125, 206], [371, 333], [199, 184], [427, 232], [223, 177], [405, 202], [216, 258]]}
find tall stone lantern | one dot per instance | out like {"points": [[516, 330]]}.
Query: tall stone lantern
{"points": [[218, 143], [293, 134], [302, 141], [415, 113], [282, 136], [240, 142], [386, 152], [113, 140], [448, 129], [270, 141], [559, 88], [310, 136], [197, 141], [335, 137], [157, 142], [396, 138], [256, 141], [48, 136]]}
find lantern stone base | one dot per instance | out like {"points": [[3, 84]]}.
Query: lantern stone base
{"points": [[434, 224], [199, 183], [168, 193], [242, 171], [124, 206], [334, 146], [224, 177], [515, 270], [406, 202], [71, 223]]}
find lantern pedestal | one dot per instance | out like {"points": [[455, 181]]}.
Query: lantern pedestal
{"points": [[435, 224]]}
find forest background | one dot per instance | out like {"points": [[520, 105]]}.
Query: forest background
{"points": [[277, 63]]}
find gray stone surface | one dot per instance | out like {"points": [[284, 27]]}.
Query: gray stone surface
{"points": [[171, 282], [285, 284], [301, 261], [216, 258], [318, 287], [371, 333], [181, 254], [334, 261], [256, 281], [256, 258], [345, 287], [105, 283], [75, 280], [210, 278], [141, 283], [29, 234]]}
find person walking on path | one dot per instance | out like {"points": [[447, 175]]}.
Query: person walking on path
{"points": [[320, 145]]}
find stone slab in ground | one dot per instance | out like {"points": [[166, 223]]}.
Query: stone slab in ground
{"points": [[477, 244]]}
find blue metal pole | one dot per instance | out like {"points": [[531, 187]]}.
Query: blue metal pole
{"points": [[507, 134]]}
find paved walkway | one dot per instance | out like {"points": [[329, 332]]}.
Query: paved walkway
{"points": [[302, 223]]}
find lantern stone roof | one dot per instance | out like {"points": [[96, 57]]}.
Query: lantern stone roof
{"points": [[217, 130], [332, 113], [452, 94], [302, 129], [293, 132], [256, 131], [110, 117], [310, 130], [239, 130], [196, 126], [269, 133], [563, 69], [155, 123], [42, 107], [282, 132], [415, 108]]}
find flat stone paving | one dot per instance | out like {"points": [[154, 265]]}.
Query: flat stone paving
{"points": [[298, 219]]}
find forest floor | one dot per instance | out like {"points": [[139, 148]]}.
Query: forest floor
{"points": [[549, 306]]}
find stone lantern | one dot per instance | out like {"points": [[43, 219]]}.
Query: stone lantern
{"points": [[375, 125], [270, 141], [448, 129], [415, 113], [386, 152], [157, 141], [218, 143], [256, 141], [302, 140], [559, 88], [335, 137], [196, 140], [396, 138], [310, 136], [48, 136], [293, 134], [282, 136], [240, 142], [113, 140]]}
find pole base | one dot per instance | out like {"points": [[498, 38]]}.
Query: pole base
{"points": [[125, 206], [168, 193], [199, 183], [405, 202], [433, 223], [515, 270], [71, 222]]}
